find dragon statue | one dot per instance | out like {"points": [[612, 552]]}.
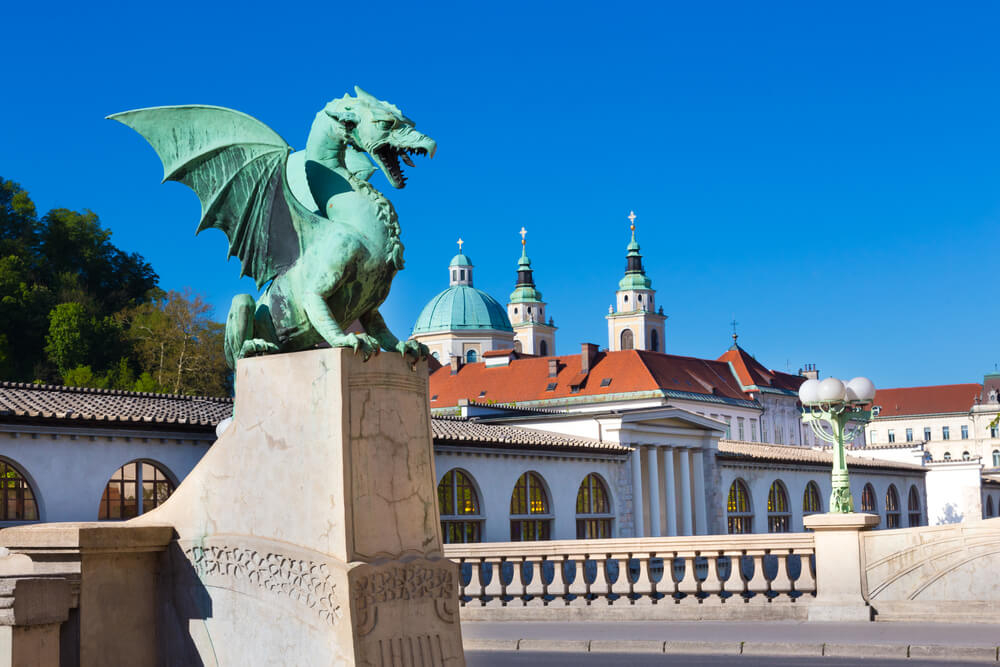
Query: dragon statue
{"points": [[307, 224]]}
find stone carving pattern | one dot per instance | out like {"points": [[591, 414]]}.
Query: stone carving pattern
{"points": [[304, 581], [404, 583]]}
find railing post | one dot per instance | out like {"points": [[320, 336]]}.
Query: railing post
{"points": [[494, 589], [758, 584], [621, 586], [644, 587], [689, 585], [782, 582], [474, 590], [516, 587], [713, 585], [578, 588], [536, 587], [558, 588], [601, 587], [839, 570]]}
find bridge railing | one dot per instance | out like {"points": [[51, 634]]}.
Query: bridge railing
{"points": [[672, 574]]}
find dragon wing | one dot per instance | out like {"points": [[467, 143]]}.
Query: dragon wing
{"points": [[236, 165]]}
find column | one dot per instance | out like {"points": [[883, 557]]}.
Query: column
{"points": [[637, 490], [653, 463], [686, 511], [700, 518], [670, 491], [840, 569]]}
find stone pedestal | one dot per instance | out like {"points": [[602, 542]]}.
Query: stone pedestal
{"points": [[309, 533], [31, 613], [839, 577]]}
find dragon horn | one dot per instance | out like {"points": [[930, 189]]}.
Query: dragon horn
{"points": [[362, 95]]}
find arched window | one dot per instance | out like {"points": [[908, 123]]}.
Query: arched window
{"points": [[868, 499], [461, 518], [593, 509], [811, 503], [738, 509], [779, 514], [134, 489], [654, 340], [996, 458], [627, 340], [913, 506], [965, 456], [543, 348], [17, 500], [626, 298], [530, 517], [947, 456], [989, 507], [892, 516], [471, 357], [436, 355], [517, 346]]}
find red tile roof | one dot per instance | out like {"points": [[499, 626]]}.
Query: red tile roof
{"points": [[753, 374], [630, 371], [926, 400]]}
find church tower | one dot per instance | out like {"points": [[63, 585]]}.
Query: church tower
{"points": [[635, 324], [526, 311]]}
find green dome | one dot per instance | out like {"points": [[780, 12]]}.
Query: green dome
{"points": [[460, 260], [462, 307]]}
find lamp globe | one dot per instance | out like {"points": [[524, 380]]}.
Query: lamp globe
{"points": [[860, 390], [809, 392], [831, 390]]}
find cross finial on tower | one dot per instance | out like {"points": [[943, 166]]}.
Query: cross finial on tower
{"points": [[460, 242], [631, 219], [735, 335], [523, 233]]}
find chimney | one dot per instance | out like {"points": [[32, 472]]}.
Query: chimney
{"points": [[809, 372], [456, 363], [553, 367], [588, 353]]}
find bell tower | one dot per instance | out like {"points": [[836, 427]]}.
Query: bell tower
{"points": [[526, 310], [634, 323]]}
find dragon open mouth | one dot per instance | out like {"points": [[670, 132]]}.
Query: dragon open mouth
{"points": [[388, 157]]}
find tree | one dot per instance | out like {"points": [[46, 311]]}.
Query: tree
{"points": [[177, 345]]}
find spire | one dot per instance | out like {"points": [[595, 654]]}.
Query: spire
{"points": [[635, 275], [735, 335], [524, 289], [460, 268]]}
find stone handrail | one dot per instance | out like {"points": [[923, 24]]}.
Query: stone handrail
{"points": [[671, 573]]}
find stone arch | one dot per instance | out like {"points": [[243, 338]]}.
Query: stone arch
{"points": [[135, 488]]}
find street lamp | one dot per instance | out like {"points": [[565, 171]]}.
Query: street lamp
{"points": [[828, 407]]}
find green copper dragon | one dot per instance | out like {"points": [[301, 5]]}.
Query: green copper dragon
{"points": [[308, 224]]}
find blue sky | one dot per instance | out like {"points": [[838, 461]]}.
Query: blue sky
{"points": [[827, 173]]}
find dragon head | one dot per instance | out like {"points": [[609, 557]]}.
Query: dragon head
{"points": [[381, 130]]}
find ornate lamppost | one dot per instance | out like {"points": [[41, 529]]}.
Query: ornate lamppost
{"points": [[829, 407]]}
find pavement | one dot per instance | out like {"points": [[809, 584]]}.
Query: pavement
{"points": [[719, 642]]}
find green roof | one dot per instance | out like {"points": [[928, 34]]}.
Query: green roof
{"points": [[462, 307], [460, 260], [635, 281]]}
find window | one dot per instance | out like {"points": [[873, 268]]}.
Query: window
{"points": [[989, 507], [461, 519], [593, 509], [909, 435], [543, 348], [913, 506], [530, 519], [811, 502], [462, 271], [654, 340], [122, 498], [551, 386], [436, 355], [965, 456], [996, 458], [626, 298], [627, 341], [892, 435], [471, 357], [868, 499], [945, 433], [753, 430], [739, 424], [947, 456], [778, 432], [738, 509], [17, 500], [965, 432], [892, 518], [606, 382], [779, 516], [517, 346], [995, 431], [874, 436], [927, 433]]}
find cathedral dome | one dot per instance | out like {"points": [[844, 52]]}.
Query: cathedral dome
{"points": [[462, 307]]}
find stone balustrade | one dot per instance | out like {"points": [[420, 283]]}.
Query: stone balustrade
{"points": [[712, 576]]}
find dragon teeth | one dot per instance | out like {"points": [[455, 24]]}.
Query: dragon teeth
{"points": [[407, 160]]}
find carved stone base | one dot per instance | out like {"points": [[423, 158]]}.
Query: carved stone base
{"points": [[308, 534]]}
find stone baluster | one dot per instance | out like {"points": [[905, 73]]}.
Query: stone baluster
{"points": [[740, 561], [516, 588], [578, 587], [758, 584], [644, 587], [601, 586], [536, 585], [689, 586], [621, 587], [806, 583], [494, 590], [782, 582], [474, 589], [712, 586], [559, 588]]}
